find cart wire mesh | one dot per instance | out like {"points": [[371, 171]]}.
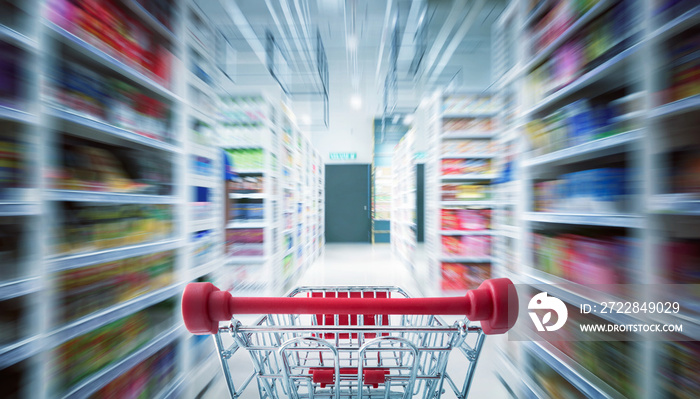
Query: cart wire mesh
{"points": [[349, 356]]}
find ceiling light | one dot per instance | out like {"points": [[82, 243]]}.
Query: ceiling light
{"points": [[305, 119], [396, 119], [356, 101], [408, 119], [352, 42]]}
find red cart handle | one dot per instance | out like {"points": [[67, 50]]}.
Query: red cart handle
{"points": [[494, 303]]}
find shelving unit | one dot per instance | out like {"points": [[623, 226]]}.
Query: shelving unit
{"points": [[102, 199], [403, 200], [619, 119], [460, 169], [273, 233]]}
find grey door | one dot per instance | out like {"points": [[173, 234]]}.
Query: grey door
{"points": [[347, 203]]}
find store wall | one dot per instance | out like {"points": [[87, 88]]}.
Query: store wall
{"points": [[349, 131]]}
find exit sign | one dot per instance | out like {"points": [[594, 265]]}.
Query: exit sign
{"points": [[343, 155]]}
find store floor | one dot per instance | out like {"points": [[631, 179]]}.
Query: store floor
{"points": [[367, 264]]}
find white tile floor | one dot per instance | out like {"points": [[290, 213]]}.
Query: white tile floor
{"points": [[366, 264]]}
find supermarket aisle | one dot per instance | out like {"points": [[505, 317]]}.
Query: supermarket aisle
{"points": [[367, 264]]}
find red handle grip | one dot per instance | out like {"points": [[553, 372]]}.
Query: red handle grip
{"points": [[494, 303]]}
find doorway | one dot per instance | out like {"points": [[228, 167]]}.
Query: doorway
{"points": [[347, 203]]}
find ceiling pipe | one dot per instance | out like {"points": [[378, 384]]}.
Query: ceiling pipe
{"points": [[452, 18], [235, 14], [456, 40], [407, 48], [385, 31]]}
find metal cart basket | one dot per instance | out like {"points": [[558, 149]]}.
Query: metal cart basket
{"points": [[350, 342]]}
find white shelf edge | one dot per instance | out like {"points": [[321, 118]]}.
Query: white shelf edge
{"points": [[235, 260], [16, 38], [488, 203], [587, 219], [17, 115], [96, 381], [108, 61], [687, 20], [468, 177], [113, 313], [573, 372], [248, 225], [21, 350], [468, 115], [465, 134], [468, 155], [99, 196], [588, 149], [150, 20], [465, 259], [19, 287], [109, 255], [249, 195], [96, 125], [688, 104], [202, 270], [598, 9], [583, 81], [467, 232], [19, 208]]}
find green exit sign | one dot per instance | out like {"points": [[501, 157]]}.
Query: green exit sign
{"points": [[343, 155]]}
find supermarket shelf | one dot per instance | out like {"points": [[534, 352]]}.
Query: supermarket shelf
{"points": [[201, 115], [250, 171], [19, 287], [204, 269], [467, 177], [94, 383], [108, 61], [112, 313], [97, 196], [466, 134], [468, 156], [577, 375], [92, 126], [248, 225], [466, 259], [19, 208], [488, 204], [466, 232], [234, 260], [210, 152], [174, 389], [470, 115], [152, 21], [19, 351], [518, 381], [248, 195], [585, 296], [593, 149], [204, 224], [508, 231], [675, 204], [537, 12], [689, 19], [204, 372], [675, 108], [15, 38], [590, 15], [16, 115], [588, 79], [109, 255], [612, 220]]}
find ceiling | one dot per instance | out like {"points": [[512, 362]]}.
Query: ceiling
{"points": [[435, 44]]}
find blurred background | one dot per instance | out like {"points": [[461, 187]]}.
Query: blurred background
{"points": [[261, 145]]}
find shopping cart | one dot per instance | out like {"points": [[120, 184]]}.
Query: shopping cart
{"points": [[350, 342]]}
